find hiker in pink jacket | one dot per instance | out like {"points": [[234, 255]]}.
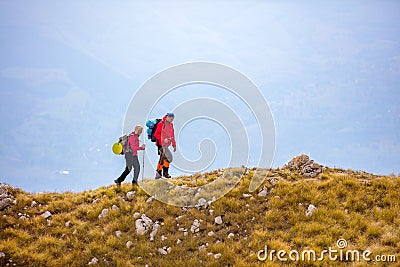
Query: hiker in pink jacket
{"points": [[131, 156], [165, 135]]}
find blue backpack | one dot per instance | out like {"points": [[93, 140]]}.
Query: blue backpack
{"points": [[151, 128]]}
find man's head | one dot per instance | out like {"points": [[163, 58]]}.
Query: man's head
{"points": [[170, 117]]}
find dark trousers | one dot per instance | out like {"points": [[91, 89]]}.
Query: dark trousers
{"points": [[131, 162]]}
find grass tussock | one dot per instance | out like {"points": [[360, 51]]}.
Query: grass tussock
{"points": [[356, 206]]}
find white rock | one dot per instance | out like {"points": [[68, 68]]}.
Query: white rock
{"points": [[129, 244], [231, 235], [22, 218], [195, 226], [147, 220], [2, 255], [115, 208], [210, 254], [136, 215], [178, 241], [154, 231], [130, 195], [263, 192], [103, 213], [162, 251], [185, 233], [311, 208], [68, 224], [202, 202], [218, 220], [33, 204], [48, 222], [93, 261], [247, 195], [118, 234], [211, 233], [46, 215], [202, 247], [217, 256], [211, 212], [143, 225], [163, 238], [140, 227], [169, 249], [150, 199]]}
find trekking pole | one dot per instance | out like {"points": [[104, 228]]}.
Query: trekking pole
{"points": [[144, 151]]}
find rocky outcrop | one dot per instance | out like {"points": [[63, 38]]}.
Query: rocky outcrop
{"points": [[6, 197], [304, 165]]}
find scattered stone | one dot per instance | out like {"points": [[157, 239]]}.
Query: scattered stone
{"points": [[273, 181], [136, 215], [218, 220], [231, 235], [154, 231], [202, 204], [143, 225], [150, 199], [103, 214], [263, 192], [211, 212], [33, 204], [247, 195], [211, 233], [46, 214], [48, 222], [115, 208], [163, 238], [68, 224], [178, 241], [93, 261], [311, 208], [162, 251], [130, 195], [217, 256], [129, 244], [202, 247], [118, 234], [22, 218], [211, 201], [195, 227], [169, 249], [210, 254], [2, 255]]}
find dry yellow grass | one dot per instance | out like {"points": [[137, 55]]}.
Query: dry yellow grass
{"points": [[356, 206]]}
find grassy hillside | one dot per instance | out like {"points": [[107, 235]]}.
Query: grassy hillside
{"points": [[361, 208]]}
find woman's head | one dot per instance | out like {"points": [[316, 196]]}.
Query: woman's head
{"points": [[138, 129]]}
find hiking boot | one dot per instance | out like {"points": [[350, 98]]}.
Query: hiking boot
{"points": [[158, 175], [166, 174], [118, 183]]}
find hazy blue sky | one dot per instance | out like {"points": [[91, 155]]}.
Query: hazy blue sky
{"points": [[330, 71]]}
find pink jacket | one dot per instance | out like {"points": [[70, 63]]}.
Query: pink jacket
{"points": [[165, 130], [134, 143]]}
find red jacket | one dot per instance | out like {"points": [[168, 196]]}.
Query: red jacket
{"points": [[134, 143], [165, 130]]}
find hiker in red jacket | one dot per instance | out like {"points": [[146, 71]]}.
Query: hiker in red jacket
{"points": [[131, 156], [165, 136]]}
